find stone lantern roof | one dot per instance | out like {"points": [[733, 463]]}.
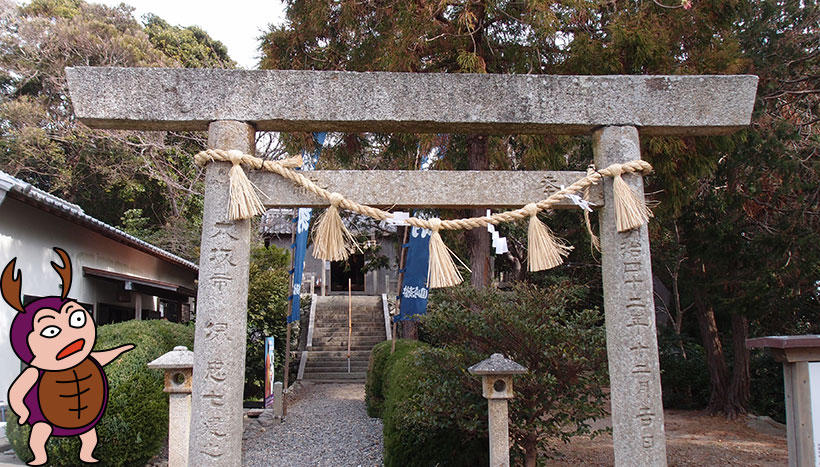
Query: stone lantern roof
{"points": [[496, 365], [178, 358]]}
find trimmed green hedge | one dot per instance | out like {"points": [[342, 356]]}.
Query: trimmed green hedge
{"points": [[429, 417], [402, 386], [381, 361], [135, 424], [433, 409]]}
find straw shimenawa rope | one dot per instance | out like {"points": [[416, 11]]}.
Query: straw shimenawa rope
{"points": [[244, 202], [546, 251]]}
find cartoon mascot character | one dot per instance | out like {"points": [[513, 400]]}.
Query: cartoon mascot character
{"points": [[64, 391]]}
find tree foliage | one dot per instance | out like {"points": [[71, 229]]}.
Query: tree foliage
{"points": [[736, 231], [190, 46], [107, 173], [550, 332]]}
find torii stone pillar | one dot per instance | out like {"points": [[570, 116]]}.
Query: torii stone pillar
{"points": [[629, 306], [231, 103], [221, 319]]}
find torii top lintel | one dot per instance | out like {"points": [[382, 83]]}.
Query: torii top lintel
{"points": [[288, 100]]}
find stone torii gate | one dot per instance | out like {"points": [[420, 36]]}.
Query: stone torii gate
{"points": [[233, 104]]}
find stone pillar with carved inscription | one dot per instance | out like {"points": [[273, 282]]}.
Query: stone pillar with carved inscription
{"points": [[221, 317], [631, 342]]}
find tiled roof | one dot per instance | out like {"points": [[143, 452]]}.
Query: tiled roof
{"points": [[29, 194]]}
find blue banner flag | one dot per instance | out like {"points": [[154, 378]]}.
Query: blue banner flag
{"points": [[414, 287], [414, 290], [302, 226]]}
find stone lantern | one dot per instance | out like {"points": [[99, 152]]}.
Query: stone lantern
{"points": [[497, 386], [178, 365]]}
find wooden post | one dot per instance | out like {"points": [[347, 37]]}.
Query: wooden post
{"points": [[349, 318], [800, 356], [324, 277], [137, 305], [402, 253], [290, 311]]}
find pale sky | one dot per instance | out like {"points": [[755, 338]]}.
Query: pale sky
{"points": [[237, 23]]}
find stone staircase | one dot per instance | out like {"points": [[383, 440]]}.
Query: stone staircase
{"points": [[327, 357]]}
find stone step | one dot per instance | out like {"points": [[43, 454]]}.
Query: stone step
{"points": [[344, 332], [336, 359], [343, 335], [317, 353], [342, 318], [337, 313], [339, 366], [342, 341], [322, 356], [336, 375], [338, 381], [340, 348], [356, 306], [341, 302], [342, 324], [339, 325]]}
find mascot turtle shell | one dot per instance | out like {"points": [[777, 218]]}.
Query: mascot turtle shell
{"points": [[72, 401]]}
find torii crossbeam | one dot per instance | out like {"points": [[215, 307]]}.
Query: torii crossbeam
{"points": [[233, 104]]}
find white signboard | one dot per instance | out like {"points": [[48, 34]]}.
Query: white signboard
{"points": [[814, 387]]}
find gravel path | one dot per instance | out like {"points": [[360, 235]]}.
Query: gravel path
{"points": [[326, 426]]}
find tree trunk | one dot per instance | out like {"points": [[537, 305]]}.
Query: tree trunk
{"points": [[478, 239], [738, 402], [715, 361], [530, 450], [410, 329]]}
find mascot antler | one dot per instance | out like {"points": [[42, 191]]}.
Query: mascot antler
{"points": [[64, 271], [11, 286]]}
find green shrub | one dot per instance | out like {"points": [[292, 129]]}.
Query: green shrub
{"points": [[433, 412], [268, 286], [684, 375], [381, 361], [546, 329], [135, 424]]}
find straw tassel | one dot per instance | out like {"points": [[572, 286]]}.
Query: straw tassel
{"points": [[244, 202], [331, 239], [441, 270], [593, 239], [630, 209], [543, 249]]}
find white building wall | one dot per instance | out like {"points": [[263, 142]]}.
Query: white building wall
{"points": [[29, 234]]}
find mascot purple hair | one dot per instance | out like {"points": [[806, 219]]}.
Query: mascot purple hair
{"points": [[64, 391]]}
